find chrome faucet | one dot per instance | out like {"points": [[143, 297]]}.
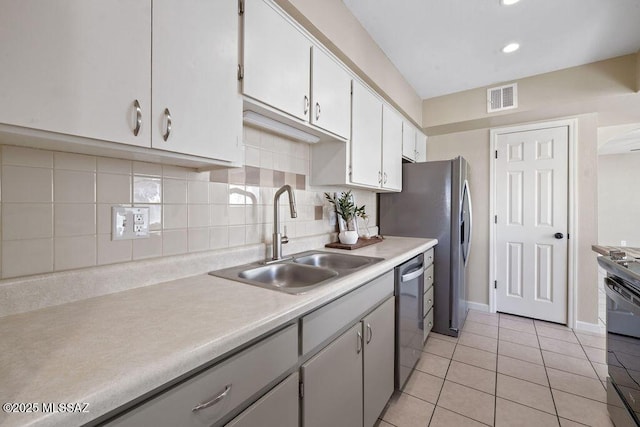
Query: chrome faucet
{"points": [[279, 239]]}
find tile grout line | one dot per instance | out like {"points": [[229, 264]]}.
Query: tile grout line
{"points": [[553, 399], [435, 405]]}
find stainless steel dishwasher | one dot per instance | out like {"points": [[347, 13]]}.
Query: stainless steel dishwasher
{"points": [[409, 288]]}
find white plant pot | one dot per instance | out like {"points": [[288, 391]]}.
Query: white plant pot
{"points": [[348, 237]]}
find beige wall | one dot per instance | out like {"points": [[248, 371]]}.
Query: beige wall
{"points": [[474, 146], [619, 199], [574, 90], [334, 25]]}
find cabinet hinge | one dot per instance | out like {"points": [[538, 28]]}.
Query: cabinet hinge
{"points": [[301, 389], [496, 154], [350, 171], [495, 219], [495, 284], [568, 236], [240, 72], [240, 7]]}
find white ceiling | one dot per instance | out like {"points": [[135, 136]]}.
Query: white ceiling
{"points": [[447, 46]]}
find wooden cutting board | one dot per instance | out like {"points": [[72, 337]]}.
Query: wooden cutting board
{"points": [[359, 244]]}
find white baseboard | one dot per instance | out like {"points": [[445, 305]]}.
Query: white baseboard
{"points": [[595, 328], [477, 306]]}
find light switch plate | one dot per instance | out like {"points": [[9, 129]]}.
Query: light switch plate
{"points": [[129, 223]]}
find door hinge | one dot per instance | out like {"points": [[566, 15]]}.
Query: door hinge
{"points": [[350, 171], [240, 72], [495, 284], [496, 154], [495, 219], [240, 7], [301, 389]]}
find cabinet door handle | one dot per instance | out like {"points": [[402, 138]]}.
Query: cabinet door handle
{"points": [[370, 332], [317, 111], [136, 130], [358, 342], [306, 105], [379, 177], [213, 401], [167, 114]]}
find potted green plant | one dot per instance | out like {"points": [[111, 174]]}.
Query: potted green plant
{"points": [[349, 212]]}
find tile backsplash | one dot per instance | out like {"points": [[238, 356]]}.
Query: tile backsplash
{"points": [[56, 207]]}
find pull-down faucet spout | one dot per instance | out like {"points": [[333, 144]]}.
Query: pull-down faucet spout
{"points": [[278, 239]]}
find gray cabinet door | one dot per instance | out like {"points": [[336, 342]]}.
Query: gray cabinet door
{"points": [[333, 383], [278, 408], [378, 360]]}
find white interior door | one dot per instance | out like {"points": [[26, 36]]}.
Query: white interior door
{"points": [[531, 176]]}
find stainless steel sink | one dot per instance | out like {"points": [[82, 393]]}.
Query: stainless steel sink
{"points": [[287, 275], [334, 260], [299, 274]]}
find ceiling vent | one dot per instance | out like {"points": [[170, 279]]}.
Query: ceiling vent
{"points": [[502, 98]]}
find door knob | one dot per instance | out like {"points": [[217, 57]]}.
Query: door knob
{"points": [[558, 235]]}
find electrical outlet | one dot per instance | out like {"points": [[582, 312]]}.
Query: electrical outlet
{"points": [[129, 223]]}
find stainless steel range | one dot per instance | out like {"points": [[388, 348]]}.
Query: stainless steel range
{"points": [[622, 286]]}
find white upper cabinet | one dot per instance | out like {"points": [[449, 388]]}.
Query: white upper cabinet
{"points": [[330, 94], [409, 133], [421, 147], [85, 69], [391, 149], [366, 137], [197, 108], [277, 60], [77, 67]]}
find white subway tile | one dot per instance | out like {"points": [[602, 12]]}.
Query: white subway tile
{"points": [[118, 166], [148, 248], [218, 237], [113, 188], [218, 193], [74, 252], [174, 216], [27, 221], [177, 172], [197, 192], [219, 215], [198, 216], [112, 251], [24, 257], [237, 215], [149, 169], [174, 191], [174, 242], [74, 186], [198, 239], [25, 184], [76, 162], [75, 219], [147, 189], [21, 156], [252, 156], [237, 235]]}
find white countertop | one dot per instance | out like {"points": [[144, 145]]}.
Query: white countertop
{"points": [[109, 350]]}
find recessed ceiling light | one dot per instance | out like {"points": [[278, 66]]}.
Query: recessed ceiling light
{"points": [[508, 2], [511, 47]]}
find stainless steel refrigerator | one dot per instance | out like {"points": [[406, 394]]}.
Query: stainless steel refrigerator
{"points": [[435, 202]]}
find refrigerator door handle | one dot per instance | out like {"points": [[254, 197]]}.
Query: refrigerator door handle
{"points": [[467, 194]]}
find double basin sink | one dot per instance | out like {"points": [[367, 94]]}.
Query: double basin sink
{"points": [[298, 274]]}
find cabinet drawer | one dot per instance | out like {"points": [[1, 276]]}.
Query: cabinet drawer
{"points": [[428, 300], [240, 377], [428, 257], [428, 323], [428, 276], [278, 408], [321, 324]]}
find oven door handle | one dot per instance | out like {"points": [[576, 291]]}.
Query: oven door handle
{"points": [[412, 275], [620, 300]]}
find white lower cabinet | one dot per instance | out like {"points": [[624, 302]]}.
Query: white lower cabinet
{"points": [[350, 380], [208, 397], [278, 408]]}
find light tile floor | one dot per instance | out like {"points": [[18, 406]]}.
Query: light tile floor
{"points": [[506, 371]]}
